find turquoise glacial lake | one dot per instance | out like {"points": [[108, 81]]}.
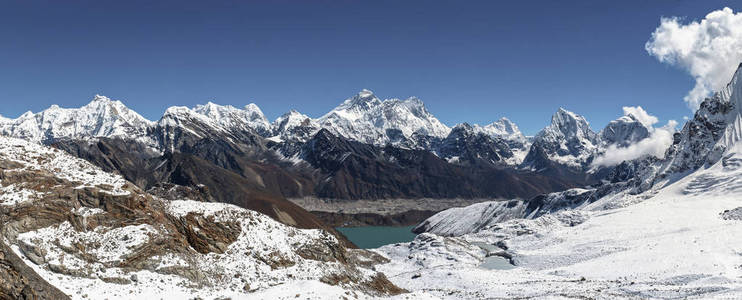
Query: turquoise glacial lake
{"points": [[376, 236]]}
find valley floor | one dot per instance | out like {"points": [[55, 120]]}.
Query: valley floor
{"points": [[381, 212]]}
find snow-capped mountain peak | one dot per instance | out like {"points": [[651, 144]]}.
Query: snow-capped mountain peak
{"points": [[567, 141], [467, 144], [367, 119], [363, 101], [624, 131], [294, 126], [570, 125], [101, 98], [291, 120], [176, 115], [231, 117], [102, 117], [502, 128]]}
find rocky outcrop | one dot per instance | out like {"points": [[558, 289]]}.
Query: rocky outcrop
{"points": [[213, 171]]}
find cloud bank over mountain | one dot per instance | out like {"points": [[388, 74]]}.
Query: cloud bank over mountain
{"points": [[709, 49], [655, 145]]}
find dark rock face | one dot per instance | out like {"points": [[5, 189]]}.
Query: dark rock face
{"points": [[352, 170], [538, 159], [473, 148], [335, 168], [238, 166], [19, 281], [248, 184], [694, 143]]}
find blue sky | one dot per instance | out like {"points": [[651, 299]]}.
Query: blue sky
{"points": [[472, 61]]}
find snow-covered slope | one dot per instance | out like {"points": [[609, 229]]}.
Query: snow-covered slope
{"points": [[94, 235], [367, 119], [676, 242], [181, 125], [462, 220], [668, 231]]}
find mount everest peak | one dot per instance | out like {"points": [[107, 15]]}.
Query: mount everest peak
{"points": [[367, 119]]}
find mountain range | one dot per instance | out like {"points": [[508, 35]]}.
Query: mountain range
{"points": [[364, 149]]}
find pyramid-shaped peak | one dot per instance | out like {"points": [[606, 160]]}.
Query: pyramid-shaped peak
{"points": [[565, 116], [365, 99], [568, 124], [365, 93]]}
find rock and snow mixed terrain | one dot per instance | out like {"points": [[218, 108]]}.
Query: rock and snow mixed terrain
{"points": [[364, 118], [568, 140], [94, 235]]}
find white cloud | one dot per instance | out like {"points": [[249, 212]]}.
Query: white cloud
{"points": [[710, 50], [640, 114], [655, 145]]}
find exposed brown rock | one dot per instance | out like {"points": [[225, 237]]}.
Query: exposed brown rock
{"points": [[206, 235], [19, 281], [60, 201]]}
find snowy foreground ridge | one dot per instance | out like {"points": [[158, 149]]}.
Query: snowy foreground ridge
{"points": [[682, 242], [93, 235]]}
